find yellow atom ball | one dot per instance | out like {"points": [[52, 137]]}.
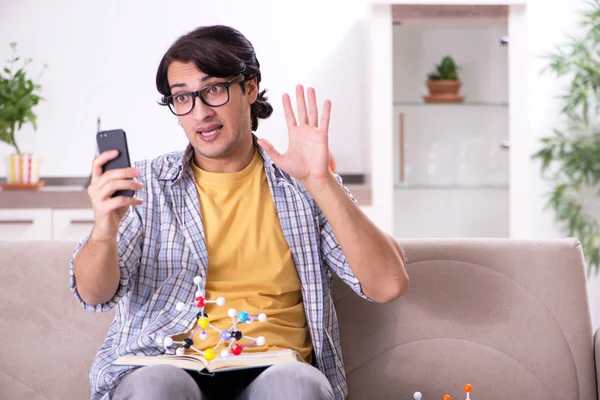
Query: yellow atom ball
{"points": [[209, 354], [203, 322]]}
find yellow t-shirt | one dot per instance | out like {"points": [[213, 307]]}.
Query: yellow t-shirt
{"points": [[249, 262]]}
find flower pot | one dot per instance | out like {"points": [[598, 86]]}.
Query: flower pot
{"points": [[23, 169], [444, 91]]}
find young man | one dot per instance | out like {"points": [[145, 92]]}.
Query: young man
{"points": [[264, 230]]}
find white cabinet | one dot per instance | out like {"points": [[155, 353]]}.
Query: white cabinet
{"points": [[71, 224], [25, 224], [45, 224]]}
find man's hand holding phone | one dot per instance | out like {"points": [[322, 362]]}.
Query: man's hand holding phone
{"points": [[111, 190], [108, 210]]}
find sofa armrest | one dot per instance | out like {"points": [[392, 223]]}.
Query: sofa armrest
{"points": [[597, 359]]}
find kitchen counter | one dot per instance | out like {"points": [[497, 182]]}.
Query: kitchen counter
{"points": [[76, 196], [46, 197]]}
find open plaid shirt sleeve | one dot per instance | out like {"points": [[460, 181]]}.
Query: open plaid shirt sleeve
{"points": [[332, 253], [129, 244]]}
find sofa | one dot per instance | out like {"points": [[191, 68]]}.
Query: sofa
{"points": [[509, 317]]}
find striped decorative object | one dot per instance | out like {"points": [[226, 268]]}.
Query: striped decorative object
{"points": [[23, 168]]}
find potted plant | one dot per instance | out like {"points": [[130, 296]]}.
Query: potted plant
{"points": [[19, 95], [443, 83], [570, 156]]}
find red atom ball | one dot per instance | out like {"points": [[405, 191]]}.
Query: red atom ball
{"points": [[236, 349]]}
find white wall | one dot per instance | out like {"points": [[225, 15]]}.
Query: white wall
{"points": [[103, 55]]}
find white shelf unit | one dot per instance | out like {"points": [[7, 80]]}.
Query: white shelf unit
{"points": [[440, 170]]}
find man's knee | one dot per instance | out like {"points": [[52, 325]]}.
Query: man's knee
{"points": [[291, 381], [158, 382]]}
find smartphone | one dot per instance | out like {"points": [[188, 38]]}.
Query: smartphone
{"points": [[115, 140]]}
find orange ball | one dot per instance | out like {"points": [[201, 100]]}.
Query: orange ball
{"points": [[447, 397], [468, 388]]}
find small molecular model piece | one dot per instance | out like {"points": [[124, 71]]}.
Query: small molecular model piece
{"points": [[467, 388], [232, 335]]}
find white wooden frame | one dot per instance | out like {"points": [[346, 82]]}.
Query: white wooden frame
{"points": [[381, 108]]}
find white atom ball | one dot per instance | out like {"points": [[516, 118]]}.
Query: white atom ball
{"points": [[261, 341], [203, 336], [262, 317], [225, 353], [232, 312], [221, 301], [197, 280], [168, 341], [180, 351]]}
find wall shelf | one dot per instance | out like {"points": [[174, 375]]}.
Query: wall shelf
{"points": [[449, 13], [407, 187], [464, 104]]}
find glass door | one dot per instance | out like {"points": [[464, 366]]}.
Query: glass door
{"points": [[450, 111]]}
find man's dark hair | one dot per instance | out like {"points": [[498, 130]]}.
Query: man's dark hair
{"points": [[219, 51]]}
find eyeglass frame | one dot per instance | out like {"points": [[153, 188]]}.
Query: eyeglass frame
{"points": [[168, 100]]}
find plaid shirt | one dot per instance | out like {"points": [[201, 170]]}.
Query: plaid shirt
{"points": [[161, 248]]}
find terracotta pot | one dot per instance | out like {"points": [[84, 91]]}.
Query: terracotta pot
{"points": [[443, 87], [22, 168], [444, 91]]}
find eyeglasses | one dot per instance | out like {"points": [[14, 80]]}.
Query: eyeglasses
{"points": [[213, 95]]}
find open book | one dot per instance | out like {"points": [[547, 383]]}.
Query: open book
{"points": [[198, 363]]}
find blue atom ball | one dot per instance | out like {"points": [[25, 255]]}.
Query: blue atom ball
{"points": [[243, 316]]}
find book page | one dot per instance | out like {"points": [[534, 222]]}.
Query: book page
{"points": [[253, 360], [198, 363], [191, 362]]}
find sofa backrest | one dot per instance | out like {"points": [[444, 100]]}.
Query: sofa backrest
{"points": [[48, 340], [509, 317]]}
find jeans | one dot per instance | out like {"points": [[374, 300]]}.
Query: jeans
{"points": [[288, 381]]}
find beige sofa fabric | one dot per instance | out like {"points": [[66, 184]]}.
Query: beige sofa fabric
{"points": [[509, 317], [48, 339]]}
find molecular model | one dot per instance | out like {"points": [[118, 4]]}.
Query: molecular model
{"points": [[467, 388], [232, 335]]}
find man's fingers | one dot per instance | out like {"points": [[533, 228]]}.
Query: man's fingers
{"points": [[301, 103], [120, 184], [313, 112], [325, 117], [120, 201], [102, 159], [270, 150], [121, 173], [290, 118]]}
